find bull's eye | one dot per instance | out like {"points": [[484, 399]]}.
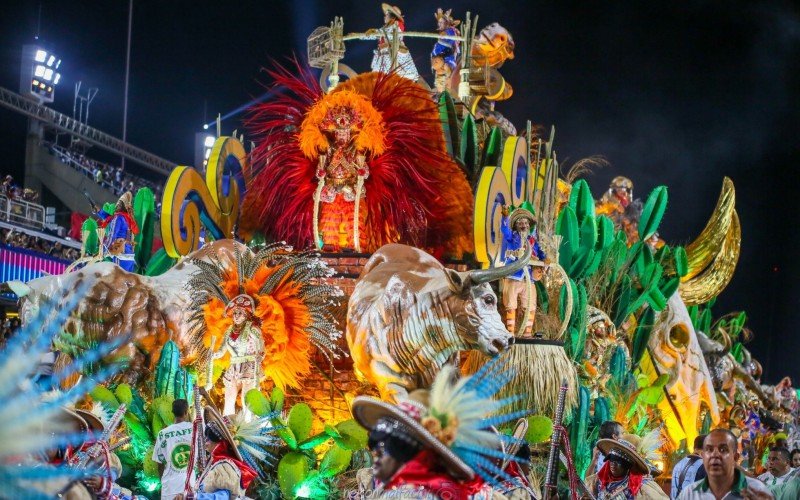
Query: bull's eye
{"points": [[489, 300]]}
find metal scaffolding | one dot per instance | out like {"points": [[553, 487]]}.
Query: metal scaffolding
{"points": [[69, 125]]}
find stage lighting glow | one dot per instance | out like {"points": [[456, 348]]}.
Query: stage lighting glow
{"points": [[48, 74], [35, 82], [205, 127], [207, 154], [39, 71], [57, 79], [58, 63], [41, 55], [51, 60], [209, 142]]}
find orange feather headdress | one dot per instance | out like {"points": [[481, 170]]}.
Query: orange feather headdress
{"points": [[291, 308]]}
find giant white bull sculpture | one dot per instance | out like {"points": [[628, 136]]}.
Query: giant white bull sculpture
{"points": [[409, 315]]}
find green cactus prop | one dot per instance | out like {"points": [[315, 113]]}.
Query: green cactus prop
{"points": [[167, 369]]}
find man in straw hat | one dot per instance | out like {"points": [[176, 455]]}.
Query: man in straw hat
{"points": [[519, 224], [448, 427], [393, 28], [625, 475]]}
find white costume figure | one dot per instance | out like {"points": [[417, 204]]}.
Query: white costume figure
{"points": [[245, 344], [382, 60]]}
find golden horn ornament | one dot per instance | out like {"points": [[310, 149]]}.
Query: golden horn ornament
{"points": [[713, 279], [704, 250]]}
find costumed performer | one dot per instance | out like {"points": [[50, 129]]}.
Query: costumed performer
{"points": [[120, 229], [231, 469], [244, 343], [446, 51], [457, 454], [620, 206], [516, 226], [393, 27], [341, 172], [625, 474]]}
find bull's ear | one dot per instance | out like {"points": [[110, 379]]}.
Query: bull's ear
{"points": [[397, 298], [457, 282]]}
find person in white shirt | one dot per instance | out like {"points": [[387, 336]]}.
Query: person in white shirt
{"points": [[778, 467], [724, 481], [172, 450], [689, 469]]}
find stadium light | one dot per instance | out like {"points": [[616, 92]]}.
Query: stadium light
{"points": [[38, 74], [209, 141]]}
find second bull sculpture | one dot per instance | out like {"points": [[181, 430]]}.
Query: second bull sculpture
{"points": [[409, 315]]}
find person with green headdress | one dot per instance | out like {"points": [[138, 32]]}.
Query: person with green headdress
{"points": [[519, 224]]}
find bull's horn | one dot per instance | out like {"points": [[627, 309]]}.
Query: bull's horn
{"points": [[19, 288], [701, 252], [486, 275], [727, 343], [712, 257]]}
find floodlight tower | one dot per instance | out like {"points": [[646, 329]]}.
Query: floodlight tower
{"points": [[39, 74]]}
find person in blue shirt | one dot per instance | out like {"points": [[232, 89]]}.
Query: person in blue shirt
{"points": [[517, 226], [120, 230], [445, 53]]}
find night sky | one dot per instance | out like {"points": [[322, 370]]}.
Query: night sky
{"points": [[681, 94]]}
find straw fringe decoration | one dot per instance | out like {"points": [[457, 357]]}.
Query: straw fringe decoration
{"points": [[538, 371]]}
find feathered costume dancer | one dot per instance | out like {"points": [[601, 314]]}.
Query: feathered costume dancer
{"points": [[362, 166], [452, 425], [291, 309]]}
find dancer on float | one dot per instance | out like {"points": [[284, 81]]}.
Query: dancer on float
{"points": [[517, 225], [392, 29], [244, 343]]}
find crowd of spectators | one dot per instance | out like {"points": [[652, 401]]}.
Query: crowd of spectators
{"points": [[113, 178], [55, 249], [12, 191]]}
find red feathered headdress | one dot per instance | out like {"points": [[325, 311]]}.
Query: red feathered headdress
{"points": [[415, 194]]}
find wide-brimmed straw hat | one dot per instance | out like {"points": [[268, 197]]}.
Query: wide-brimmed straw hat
{"points": [[392, 9], [368, 411], [94, 422], [524, 211], [213, 417], [625, 450]]}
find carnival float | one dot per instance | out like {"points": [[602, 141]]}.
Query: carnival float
{"points": [[382, 232]]}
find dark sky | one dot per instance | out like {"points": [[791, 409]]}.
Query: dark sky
{"points": [[675, 93]]}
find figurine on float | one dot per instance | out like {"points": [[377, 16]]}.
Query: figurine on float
{"points": [[341, 171], [602, 341], [384, 55], [517, 226], [620, 206], [118, 232], [244, 343], [446, 51]]}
